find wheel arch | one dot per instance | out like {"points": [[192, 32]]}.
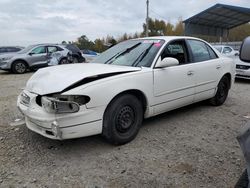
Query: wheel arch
{"points": [[20, 60], [135, 92], [229, 76]]}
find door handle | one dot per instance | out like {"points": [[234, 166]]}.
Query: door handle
{"points": [[218, 67], [190, 73]]}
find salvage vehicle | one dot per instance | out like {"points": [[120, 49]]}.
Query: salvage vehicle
{"points": [[76, 54], [132, 80], [31, 57]]}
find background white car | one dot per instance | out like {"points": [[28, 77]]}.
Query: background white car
{"points": [[133, 80], [242, 69], [227, 50]]}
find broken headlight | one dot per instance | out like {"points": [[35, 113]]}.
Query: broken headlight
{"points": [[63, 103]]}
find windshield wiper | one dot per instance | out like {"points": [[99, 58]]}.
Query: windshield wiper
{"points": [[121, 53], [141, 56]]}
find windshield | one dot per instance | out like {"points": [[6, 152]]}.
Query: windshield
{"points": [[25, 50], [137, 53]]}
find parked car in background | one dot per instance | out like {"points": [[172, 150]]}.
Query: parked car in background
{"points": [[76, 53], [10, 49], [242, 69], [227, 50], [32, 57], [89, 55], [133, 80]]}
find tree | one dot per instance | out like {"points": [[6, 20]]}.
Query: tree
{"points": [[158, 28], [84, 43], [179, 28]]}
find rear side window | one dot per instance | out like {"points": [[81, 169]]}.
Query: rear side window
{"points": [[201, 51], [52, 49]]}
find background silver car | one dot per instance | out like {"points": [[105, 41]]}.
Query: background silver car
{"points": [[32, 57]]}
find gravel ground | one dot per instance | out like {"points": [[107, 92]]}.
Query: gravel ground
{"points": [[193, 146]]}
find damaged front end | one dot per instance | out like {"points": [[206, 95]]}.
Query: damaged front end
{"points": [[58, 116]]}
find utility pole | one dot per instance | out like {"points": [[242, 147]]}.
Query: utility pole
{"points": [[147, 2]]}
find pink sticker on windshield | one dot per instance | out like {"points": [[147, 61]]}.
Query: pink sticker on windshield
{"points": [[157, 44]]}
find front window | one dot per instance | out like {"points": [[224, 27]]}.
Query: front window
{"points": [[26, 50], [39, 50], [137, 53]]}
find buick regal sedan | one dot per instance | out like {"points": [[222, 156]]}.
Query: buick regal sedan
{"points": [[133, 80]]}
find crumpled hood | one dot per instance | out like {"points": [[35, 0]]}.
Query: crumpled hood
{"points": [[56, 79]]}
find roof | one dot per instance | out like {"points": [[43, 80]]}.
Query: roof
{"points": [[218, 19]]}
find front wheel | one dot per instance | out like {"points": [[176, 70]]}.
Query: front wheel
{"points": [[19, 67], [122, 119], [222, 92]]}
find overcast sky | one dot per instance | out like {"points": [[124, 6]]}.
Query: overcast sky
{"points": [[24, 22]]}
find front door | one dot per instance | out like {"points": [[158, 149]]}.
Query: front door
{"points": [[174, 86], [38, 57]]}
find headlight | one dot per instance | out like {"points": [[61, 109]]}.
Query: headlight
{"points": [[5, 58], [63, 104]]}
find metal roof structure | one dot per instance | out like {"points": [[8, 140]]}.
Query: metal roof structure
{"points": [[217, 20]]}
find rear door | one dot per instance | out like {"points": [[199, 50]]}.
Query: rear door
{"points": [[207, 69]]}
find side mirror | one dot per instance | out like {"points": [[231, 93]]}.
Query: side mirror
{"points": [[167, 62], [245, 50], [31, 53]]}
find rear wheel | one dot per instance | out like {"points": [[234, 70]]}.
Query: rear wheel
{"points": [[222, 92], [63, 61], [19, 67], [122, 119], [75, 60]]}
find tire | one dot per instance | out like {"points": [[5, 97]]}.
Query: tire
{"points": [[63, 61], [222, 92], [122, 119], [243, 180], [75, 60], [19, 67]]}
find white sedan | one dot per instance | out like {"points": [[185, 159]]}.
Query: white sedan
{"points": [[227, 50], [133, 80], [242, 69]]}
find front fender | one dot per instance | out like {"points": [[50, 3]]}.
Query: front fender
{"points": [[103, 91]]}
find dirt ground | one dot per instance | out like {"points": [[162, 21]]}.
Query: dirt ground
{"points": [[194, 146]]}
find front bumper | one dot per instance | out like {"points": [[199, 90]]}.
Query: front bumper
{"points": [[241, 73], [85, 122], [4, 65]]}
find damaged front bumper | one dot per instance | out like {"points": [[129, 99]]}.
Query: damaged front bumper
{"points": [[83, 123]]}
